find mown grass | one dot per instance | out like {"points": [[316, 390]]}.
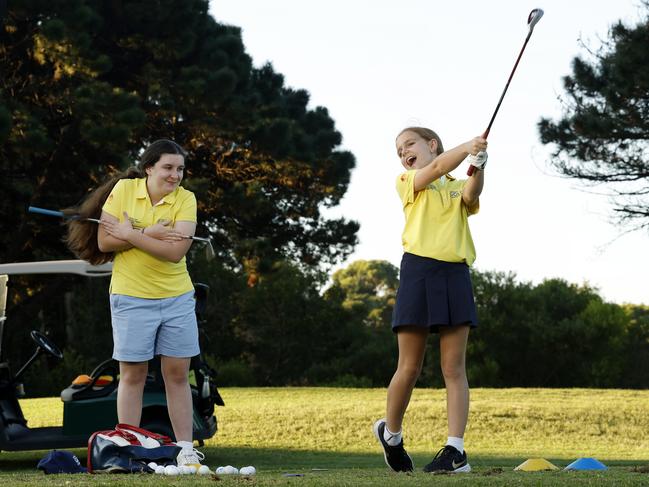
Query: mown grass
{"points": [[297, 430]]}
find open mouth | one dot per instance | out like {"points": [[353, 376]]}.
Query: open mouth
{"points": [[410, 160]]}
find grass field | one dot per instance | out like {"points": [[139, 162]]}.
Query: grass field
{"points": [[325, 434]]}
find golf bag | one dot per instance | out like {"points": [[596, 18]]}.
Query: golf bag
{"points": [[128, 449]]}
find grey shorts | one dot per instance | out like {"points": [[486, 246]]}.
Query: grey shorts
{"points": [[143, 328]]}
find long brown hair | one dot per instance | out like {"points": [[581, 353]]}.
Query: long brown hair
{"points": [[81, 236]]}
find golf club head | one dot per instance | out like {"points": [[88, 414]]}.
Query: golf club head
{"points": [[209, 250], [534, 17]]}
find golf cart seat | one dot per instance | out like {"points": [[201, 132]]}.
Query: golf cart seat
{"points": [[100, 383]]}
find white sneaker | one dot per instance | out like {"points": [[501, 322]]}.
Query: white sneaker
{"points": [[190, 458]]}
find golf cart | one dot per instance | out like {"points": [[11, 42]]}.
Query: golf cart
{"points": [[89, 403]]}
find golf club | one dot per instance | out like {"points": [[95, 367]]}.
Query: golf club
{"points": [[209, 249], [533, 18]]}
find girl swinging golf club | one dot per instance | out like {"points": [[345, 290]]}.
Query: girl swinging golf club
{"points": [[435, 292], [151, 293]]}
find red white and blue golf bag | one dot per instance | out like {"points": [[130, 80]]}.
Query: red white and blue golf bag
{"points": [[129, 449]]}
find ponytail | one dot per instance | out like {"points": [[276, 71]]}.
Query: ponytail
{"points": [[81, 236]]}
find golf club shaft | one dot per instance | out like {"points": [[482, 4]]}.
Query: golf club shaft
{"points": [[43, 211], [493, 117], [511, 75], [192, 237], [60, 214]]}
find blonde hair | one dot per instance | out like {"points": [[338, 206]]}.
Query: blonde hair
{"points": [[427, 135]]}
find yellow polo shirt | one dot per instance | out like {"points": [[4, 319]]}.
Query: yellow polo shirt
{"points": [[436, 219], [136, 272]]}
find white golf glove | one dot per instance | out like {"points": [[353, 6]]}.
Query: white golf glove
{"points": [[479, 161]]}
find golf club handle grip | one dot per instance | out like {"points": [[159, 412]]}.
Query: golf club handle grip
{"points": [[43, 211], [484, 135]]}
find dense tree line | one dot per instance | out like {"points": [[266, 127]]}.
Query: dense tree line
{"points": [[285, 332]]}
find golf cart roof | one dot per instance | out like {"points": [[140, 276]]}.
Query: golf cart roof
{"points": [[80, 267]]}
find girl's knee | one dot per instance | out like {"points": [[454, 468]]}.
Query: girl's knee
{"points": [[133, 377], [175, 376], [453, 371], [133, 374], [409, 371]]}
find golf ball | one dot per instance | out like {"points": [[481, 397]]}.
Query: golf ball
{"points": [[249, 470], [160, 470], [171, 470], [204, 470], [230, 470], [220, 470], [153, 465], [192, 469], [184, 470]]}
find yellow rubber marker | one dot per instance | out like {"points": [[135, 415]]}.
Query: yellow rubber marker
{"points": [[536, 465]]}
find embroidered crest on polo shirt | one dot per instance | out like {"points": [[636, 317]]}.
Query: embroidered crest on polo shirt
{"points": [[455, 194]]}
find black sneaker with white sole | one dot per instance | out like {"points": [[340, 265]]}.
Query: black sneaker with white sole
{"points": [[396, 457], [449, 460]]}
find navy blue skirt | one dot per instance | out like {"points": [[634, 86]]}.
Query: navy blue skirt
{"points": [[433, 293]]}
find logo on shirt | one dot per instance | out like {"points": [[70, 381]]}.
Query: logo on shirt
{"points": [[403, 177], [455, 194]]}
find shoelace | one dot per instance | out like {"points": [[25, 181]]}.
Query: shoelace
{"points": [[441, 450], [194, 454]]}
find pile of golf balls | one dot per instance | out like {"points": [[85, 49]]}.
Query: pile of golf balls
{"points": [[182, 470], [202, 470]]}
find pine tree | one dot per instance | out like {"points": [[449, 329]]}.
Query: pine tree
{"points": [[603, 136]]}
